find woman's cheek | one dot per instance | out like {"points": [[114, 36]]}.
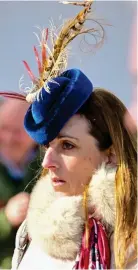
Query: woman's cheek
{"points": [[71, 163]]}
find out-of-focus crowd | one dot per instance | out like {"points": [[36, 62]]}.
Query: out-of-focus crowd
{"points": [[19, 164], [20, 161]]}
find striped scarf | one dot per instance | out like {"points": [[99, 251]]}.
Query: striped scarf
{"points": [[97, 255]]}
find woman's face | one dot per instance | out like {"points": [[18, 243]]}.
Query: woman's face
{"points": [[72, 157]]}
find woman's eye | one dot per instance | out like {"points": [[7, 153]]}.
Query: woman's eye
{"points": [[67, 146]]}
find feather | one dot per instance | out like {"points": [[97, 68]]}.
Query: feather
{"points": [[43, 55], [54, 60], [44, 40], [29, 71], [38, 60], [46, 37], [13, 95]]}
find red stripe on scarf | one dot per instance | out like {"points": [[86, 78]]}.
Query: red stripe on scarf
{"points": [[102, 247]]}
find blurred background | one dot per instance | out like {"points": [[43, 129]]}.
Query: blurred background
{"points": [[108, 67]]}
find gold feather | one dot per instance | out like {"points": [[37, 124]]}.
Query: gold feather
{"points": [[55, 62]]}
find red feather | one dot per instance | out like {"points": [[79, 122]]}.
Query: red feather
{"points": [[29, 71], [13, 95], [38, 60]]}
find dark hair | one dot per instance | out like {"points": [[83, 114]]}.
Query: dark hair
{"points": [[97, 125]]}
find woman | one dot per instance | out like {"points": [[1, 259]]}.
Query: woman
{"points": [[93, 156], [82, 212]]}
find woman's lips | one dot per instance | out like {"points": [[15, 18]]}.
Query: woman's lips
{"points": [[58, 182]]}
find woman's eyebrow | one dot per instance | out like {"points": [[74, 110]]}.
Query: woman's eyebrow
{"points": [[66, 136]]}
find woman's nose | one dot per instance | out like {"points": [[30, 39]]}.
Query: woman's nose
{"points": [[50, 159]]}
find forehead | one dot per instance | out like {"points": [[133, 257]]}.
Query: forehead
{"points": [[76, 126], [12, 112], [13, 107], [11, 120]]}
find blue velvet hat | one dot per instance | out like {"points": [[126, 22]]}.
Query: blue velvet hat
{"points": [[47, 116], [55, 95]]}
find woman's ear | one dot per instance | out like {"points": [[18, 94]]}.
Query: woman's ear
{"points": [[110, 156]]}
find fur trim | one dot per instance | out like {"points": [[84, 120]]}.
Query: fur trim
{"points": [[56, 224], [101, 195]]}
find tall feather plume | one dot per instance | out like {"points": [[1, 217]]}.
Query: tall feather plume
{"points": [[54, 61]]}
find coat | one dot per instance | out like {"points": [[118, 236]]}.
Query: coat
{"points": [[55, 225]]}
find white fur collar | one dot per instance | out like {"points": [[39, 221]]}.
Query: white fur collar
{"points": [[56, 225]]}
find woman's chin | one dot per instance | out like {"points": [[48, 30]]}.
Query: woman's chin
{"points": [[62, 190]]}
